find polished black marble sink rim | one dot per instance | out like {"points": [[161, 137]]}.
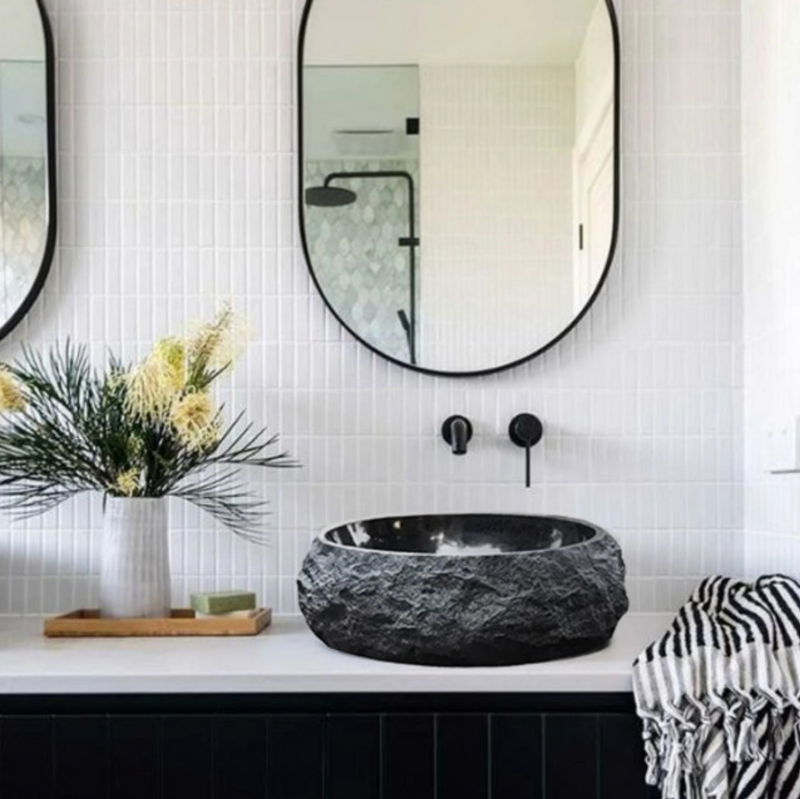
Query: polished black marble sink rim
{"points": [[462, 535]]}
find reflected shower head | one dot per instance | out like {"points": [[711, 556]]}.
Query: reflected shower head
{"points": [[330, 197]]}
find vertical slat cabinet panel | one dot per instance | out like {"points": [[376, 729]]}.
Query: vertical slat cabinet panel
{"points": [[353, 757], [296, 757], [80, 752], [622, 769], [571, 757], [462, 756], [188, 761], [516, 756], [134, 758], [408, 757], [26, 762], [240, 757]]}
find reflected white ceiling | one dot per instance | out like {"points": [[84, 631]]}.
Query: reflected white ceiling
{"points": [[447, 31], [21, 35]]}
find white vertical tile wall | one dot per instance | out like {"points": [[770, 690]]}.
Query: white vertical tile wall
{"points": [[771, 124], [496, 277], [177, 186]]}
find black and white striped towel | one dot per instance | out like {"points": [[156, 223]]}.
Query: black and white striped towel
{"points": [[719, 694]]}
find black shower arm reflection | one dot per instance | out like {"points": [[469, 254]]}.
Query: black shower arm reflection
{"points": [[412, 242]]}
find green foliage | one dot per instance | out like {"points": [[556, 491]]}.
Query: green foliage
{"points": [[76, 432]]}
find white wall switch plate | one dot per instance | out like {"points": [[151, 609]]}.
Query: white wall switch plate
{"points": [[783, 446]]}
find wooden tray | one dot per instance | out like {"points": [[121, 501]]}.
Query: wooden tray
{"points": [[87, 623]]}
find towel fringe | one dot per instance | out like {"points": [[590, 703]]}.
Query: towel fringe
{"points": [[652, 756], [778, 732], [721, 690], [674, 749], [745, 745]]}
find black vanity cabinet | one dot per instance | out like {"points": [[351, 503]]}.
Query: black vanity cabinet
{"points": [[313, 747]]}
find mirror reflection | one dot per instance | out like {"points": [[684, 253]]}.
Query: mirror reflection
{"points": [[24, 168], [459, 171]]}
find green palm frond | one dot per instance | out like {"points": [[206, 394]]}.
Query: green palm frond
{"points": [[76, 433]]}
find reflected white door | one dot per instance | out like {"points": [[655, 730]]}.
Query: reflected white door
{"points": [[594, 207]]}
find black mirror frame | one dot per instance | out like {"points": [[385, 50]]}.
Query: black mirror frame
{"points": [[52, 226], [612, 13]]}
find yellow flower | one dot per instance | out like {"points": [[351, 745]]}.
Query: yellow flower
{"points": [[157, 381], [12, 399], [194, 421], [170, 355], [127, 483], [220, 342], [150, 394]]}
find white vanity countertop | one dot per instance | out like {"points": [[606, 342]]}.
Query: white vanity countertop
{"points": [[286, 659]]}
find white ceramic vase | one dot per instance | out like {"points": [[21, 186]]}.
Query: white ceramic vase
{"points": [[134, 572]]}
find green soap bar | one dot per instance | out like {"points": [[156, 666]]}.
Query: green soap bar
{"points": [[223, 602]]}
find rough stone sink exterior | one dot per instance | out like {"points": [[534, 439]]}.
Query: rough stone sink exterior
{"points": [[464, 590]]}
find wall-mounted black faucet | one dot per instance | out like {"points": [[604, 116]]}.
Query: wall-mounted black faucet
{"points": [[526, 430], [457, 432]]}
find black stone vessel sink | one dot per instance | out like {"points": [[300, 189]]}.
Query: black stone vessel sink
{"points": [[464, 590]]}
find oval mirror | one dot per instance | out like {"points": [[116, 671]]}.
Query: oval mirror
{"points": [[27, 158], [459, 172]]}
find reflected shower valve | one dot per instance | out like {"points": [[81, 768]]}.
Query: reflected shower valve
{"points": [[526, 430]]}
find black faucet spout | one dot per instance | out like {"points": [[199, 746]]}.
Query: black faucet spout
{"points": [[457, 432]]}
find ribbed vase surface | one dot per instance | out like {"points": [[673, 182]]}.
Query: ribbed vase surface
{"points": [[134, 572]]}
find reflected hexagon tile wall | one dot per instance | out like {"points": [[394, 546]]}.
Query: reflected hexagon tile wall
{"points": [[23, 228], [344, 240]]}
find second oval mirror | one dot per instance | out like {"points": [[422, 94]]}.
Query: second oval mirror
{"points": [[27, 157], [459, 172]]}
